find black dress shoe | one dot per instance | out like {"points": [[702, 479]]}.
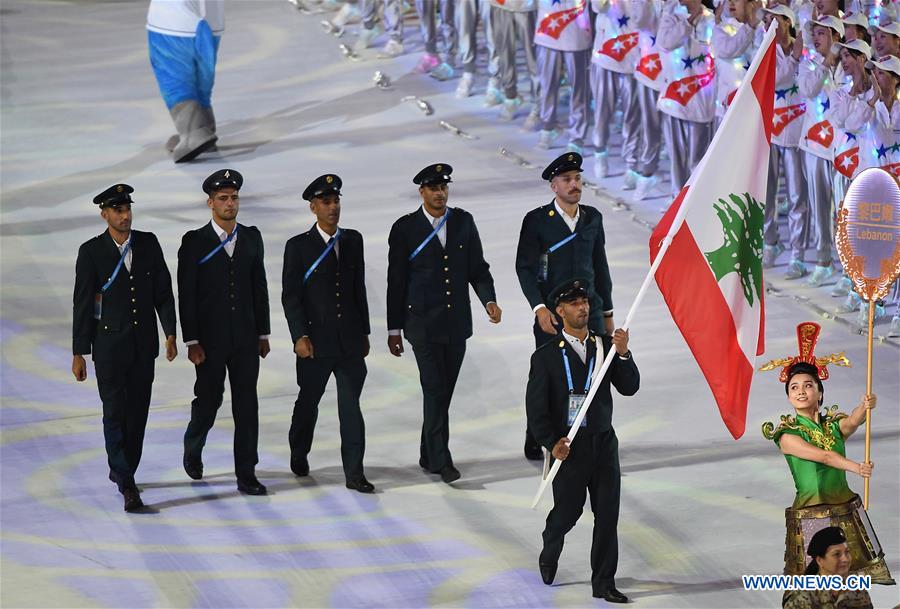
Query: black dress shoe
{"points": [[361, 485], [251, 486], [194, 469], [449, 474], [424, 464], [548, 571], [132, 499], [300, 466], [611, 595], [533, 450]]}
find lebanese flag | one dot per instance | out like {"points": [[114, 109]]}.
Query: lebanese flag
{"points": [[554, 23], [620, 46], [711, 274]]}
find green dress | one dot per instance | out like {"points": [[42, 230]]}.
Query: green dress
{"points": [[816, 483], [824, 499]]}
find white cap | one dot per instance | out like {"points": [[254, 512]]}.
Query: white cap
{"points": [[857, 45], [892, 28], [784, 11], [888, 63], [830, 21], [858, 18]]}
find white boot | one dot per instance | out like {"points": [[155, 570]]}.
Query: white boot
{"points": [[194, 134]]}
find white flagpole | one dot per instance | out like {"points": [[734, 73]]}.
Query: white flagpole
{"points": [[664, 246]]}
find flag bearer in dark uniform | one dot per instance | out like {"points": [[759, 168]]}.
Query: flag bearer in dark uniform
{"points": [[558, 382], [560, 241], [324, 299], [121, 285], [434, 255], [224, 305]]}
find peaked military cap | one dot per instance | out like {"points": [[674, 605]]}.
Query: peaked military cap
{"points": [[439, 173], [118, 194], [568, 291], [323, 185], [569, 161], [224, 178]]}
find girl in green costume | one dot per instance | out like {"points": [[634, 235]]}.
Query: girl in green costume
{"points": [[813, 445]]}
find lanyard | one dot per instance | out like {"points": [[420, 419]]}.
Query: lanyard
{"points": [[562, 243], [436, 230], [587, 381], [118, 266], [220, 246], [328, 248]]}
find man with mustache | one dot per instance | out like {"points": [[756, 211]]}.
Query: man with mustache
{"points": [[560, 241], [122, 284], [223, 300], [324, 299], [434, 254], [559, 380]]}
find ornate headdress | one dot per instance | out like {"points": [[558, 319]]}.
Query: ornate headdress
{"points": [[807, 336]]}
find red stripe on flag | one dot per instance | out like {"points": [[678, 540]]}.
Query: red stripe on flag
{"points": [[764, 87], [704, 319]]}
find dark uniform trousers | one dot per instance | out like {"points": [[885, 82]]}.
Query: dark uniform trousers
{"points": [[331, 308], [224, 304], [428, 298], [124, 342], [592, 466], [584, 257]]}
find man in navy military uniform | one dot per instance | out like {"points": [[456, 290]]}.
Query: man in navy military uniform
{"points": [[223, 300], [324, 299], [560, 241], [560, 377], [434, 254], [121, 285]]}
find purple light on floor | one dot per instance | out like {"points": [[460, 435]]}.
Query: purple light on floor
{"points": [[516, 588], [407, 588]]}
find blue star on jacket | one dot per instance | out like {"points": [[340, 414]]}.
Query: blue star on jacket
{"points": [[623, 20], [882, 151], [850, 136], [652, 40], [826, 104], [781, 93], [688, 62]]}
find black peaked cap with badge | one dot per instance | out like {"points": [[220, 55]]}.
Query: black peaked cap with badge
{"points": [[118, 194], [224, 178], [323, 185], [439, 173], [569, 291], [569, 161]]}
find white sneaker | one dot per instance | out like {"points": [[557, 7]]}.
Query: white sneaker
{"points": [[573, 147], [770, 255], [509, 109], [348, 14], [393, 48], [820, 276], [546, 138], [796, 270], [862, 319], [365, 39], [442, 72], [493, 96], [895, 326], [601, 165], [841, 288], [466, 83], [849, 305], [643, 187], [532, 121], [629, 182]]}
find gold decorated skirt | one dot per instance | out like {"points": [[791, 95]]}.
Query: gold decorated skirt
{"points": [[866, 555]]}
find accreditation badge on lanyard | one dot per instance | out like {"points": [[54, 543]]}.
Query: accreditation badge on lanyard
{"points": [[577, 399], [98, 297], [544, 268]]}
